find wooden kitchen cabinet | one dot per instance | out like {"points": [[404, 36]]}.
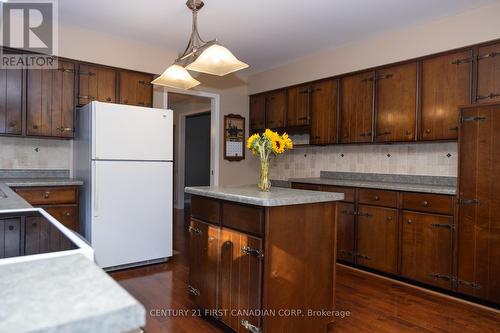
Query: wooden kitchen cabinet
{"points": [[276, 109], [96, 83], [446, 84], [479, 203], [356, 108], [298, 110], [136, 88], [257, 113], [11, 101], [204, 264], [240, 278], [427, 248], [396, 103], [488, 73], [324, 105], [10, 237], [51, 101], [377, 238], [346, 232]]}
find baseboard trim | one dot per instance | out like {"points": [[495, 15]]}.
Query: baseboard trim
{"points": [[432, 292]]}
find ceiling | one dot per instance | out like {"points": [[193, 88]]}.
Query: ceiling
{"points": [[263, 33]]}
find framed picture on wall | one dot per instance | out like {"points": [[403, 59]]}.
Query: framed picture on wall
{"points": [[234, 137]]}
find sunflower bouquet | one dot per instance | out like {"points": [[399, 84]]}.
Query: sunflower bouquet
{"points": [[263, 145]]}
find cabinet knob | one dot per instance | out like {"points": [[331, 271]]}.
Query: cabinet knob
{"points": [[407, 132], [46, 195], [108, 99], [12, 124], [376, 198], [34, 224], [11, 227], [428, 131], [35, 126], [68, 214], [425, 203], [409, 221], [389, 218]]}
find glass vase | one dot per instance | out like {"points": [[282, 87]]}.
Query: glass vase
{"points": [[264, 183]]}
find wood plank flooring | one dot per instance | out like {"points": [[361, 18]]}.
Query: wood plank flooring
{"points": [[374, 304]]}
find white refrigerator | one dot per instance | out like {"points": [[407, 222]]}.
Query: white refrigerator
{"points": [[124, 155]]}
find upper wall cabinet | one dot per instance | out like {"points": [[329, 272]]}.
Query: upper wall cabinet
{"points": [[96, 83], [488, 73], [257, 113], [356, 110], [51, 101], [324, 105], [446, 84], [275, 109], [136, 88], [396, 103], [297, 112], [11, 101]]}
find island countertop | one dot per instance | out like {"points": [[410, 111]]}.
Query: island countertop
{"points": [[250, 194]]}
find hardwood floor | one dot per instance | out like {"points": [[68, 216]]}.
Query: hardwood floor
{"points": [[370, 304]]}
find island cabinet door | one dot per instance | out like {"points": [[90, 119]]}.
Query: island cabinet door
{"points": [[427, 248], [345, 232], [204, 264], [240, 280], [10, 238], [378, 238]]}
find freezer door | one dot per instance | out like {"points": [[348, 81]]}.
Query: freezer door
{"points": [[131, 211], [124, 132]]}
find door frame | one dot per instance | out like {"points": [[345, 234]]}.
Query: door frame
{"points": [[214, 135]]}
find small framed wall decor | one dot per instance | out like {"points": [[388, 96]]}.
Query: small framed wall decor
{"points": [[234, 137]]}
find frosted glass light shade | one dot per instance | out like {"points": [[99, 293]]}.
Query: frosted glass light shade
{"points": [[176, 77], [216, 60]]}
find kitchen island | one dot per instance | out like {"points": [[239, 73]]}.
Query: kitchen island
{"points": [[264, 261]]}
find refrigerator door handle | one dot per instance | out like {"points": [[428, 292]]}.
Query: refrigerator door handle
{"points": [[95, 190]]}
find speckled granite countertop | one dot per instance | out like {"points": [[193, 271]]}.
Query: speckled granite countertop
{"points": [[64, 294], [410, 183], [250, 194], [27, 178], [10, 199]]}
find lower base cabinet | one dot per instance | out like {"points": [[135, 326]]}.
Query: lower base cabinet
{"points": [[249, 265], [10, 237], [378, 238], [427, 248]]}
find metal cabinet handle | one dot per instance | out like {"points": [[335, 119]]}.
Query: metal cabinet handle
{"points": [[64, 129], [384, 133], [68, 214], [409, 221], [251, 328], [194, 231], [425, 203], [489, 96], [193, 291], [376, 198], [46, 195], [249, 251]]}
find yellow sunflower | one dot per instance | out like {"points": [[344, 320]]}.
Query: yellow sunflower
{"points": [[287, 141], [278, 145], [251, 140]]}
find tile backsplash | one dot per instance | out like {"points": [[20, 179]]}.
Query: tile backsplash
{"points": [[432, 159], [31, 153]]}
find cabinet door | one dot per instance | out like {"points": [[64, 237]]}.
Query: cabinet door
{"points": [[396, 103], [479, 213], [42, 237], [257, 113], [11, 101], [275, 109], [356, 110], [240, 278], [10, 237], [96, 84], [427, 248], [488, 73], [345, 232], [446, 83], [297, 112], [136, 89], [51, 101], [324, 101], [378, 238], [66, 214], [204, 264]]}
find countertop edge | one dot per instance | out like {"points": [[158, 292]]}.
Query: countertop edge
{"points": [[432, 189]]}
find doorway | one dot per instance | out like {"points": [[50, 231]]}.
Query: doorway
{"points": [[194, 155]]}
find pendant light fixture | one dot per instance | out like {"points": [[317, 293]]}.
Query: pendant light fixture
{"points": [[200, 56]]}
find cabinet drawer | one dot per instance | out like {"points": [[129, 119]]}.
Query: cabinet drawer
{"points": [[433, 203], [67, 215], [243, 218], [348, 192], [304, 186], [378, 197], [48, 195], [205, 209]]}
